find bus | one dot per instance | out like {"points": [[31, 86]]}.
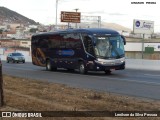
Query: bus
{"points": [[90, 49]]}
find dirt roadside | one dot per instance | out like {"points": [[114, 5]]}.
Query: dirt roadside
{"points": [[22, 94]]}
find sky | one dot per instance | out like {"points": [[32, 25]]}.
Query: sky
{"points": [[111, 11]]}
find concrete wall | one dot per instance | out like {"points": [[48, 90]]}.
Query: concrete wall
{"points": [[138, 55], [133, 48]]}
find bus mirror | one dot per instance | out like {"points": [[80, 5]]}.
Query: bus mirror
{"points": [[124, 39]]}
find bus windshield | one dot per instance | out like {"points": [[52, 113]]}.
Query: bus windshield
{"points": [[109, 47]]}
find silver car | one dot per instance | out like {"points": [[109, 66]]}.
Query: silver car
{"points": [[15, 57]]}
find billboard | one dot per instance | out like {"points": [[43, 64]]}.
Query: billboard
{"points": [[143, 26], [73, 17]]}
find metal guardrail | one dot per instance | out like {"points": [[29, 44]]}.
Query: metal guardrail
{"points": [[1, 87]]}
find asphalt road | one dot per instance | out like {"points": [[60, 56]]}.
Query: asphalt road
{"points": [[139, 83]]}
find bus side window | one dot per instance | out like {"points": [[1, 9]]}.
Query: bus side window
{"points": [[54, 41], [72, 40], [43, 43], [35, 41]]}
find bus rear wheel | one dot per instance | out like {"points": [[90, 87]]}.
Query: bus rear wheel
{"points": [[49, 66], [82, 68]]}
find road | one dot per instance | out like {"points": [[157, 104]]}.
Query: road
{"points": [[139, 83]]}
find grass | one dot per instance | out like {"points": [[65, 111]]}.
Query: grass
{"points": [[24, 94]]}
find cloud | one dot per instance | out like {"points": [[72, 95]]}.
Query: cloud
{"points": [[95, 12], [102, 12], [117, 14]]}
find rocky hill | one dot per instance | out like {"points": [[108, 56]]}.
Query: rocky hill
{"points": [[9, 16], [115, 26]]}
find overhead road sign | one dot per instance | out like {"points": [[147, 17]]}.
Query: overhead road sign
{"points": [[72, 17]]}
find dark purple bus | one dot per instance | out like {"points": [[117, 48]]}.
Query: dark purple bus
{"points": [[91, 49]]}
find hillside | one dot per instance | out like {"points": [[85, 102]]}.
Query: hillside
{"points": [[9, 16], [115, 27]]}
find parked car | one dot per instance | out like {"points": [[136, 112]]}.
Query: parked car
{"points": [[15, 57]]}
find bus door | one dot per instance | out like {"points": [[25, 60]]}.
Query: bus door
{"points": [[88, 45], [89, 51]]}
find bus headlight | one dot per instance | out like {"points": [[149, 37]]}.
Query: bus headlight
{"points": [[102, 61], [122, 60]]}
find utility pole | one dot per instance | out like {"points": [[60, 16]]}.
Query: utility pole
{"points": [[99, 21], [143, 46], [76, 11]]}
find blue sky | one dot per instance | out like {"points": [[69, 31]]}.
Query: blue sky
{"points": [[112, 11]]}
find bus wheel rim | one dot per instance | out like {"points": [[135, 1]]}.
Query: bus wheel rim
{"points": [[48, 66], [81, 68]]}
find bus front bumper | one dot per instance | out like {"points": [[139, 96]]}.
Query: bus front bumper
{"points": [[118, 64], [99, 67]]}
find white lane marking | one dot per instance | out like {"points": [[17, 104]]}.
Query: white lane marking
{"points": [[152, 75]]}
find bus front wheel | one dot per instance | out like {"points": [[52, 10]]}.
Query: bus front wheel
{"points": [[82, 68]]}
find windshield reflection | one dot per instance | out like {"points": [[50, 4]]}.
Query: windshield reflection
{"points": [[109, 47]]}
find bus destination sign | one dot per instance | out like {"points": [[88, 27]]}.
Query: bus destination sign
{"points": [[73, 17]]}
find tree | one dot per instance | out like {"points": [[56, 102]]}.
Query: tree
{"points": [[33, 30]]}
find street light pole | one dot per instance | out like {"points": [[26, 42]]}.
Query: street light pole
{"points": [[99, 21]]}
